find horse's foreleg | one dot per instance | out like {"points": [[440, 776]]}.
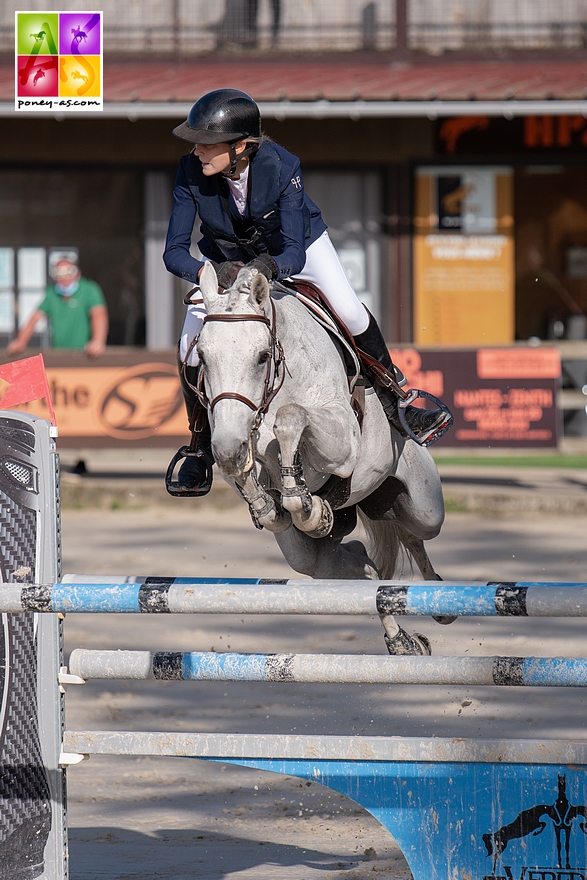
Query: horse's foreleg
{"points": [[265, 511], [309, 513]]}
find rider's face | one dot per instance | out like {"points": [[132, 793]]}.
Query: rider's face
{"points": [[215, 158]]}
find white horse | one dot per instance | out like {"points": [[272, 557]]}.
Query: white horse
{"points": [[286, 437]]}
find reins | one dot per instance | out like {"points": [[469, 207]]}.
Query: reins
{"points": [[273, 371]]}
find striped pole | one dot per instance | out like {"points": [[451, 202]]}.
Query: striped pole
{"points": [[78, 594], [334, 668]]}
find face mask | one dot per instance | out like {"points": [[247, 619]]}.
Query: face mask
{"points": [[67, 289]]}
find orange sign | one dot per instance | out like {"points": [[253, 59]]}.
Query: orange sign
{"points": [[521, 363], [463, 256], [123, 403], [463, 134]]}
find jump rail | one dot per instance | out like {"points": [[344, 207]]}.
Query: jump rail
{"points": [[335, 668], [97, 594], [478, 809]]}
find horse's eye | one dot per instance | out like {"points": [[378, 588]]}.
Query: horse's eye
{"points": [[264, 357]]}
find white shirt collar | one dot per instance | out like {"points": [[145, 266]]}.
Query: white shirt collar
{"points": [[239, 189]]}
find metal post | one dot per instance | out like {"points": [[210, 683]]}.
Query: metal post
{"points": [[32, 786], [158, 281], [401, 28]]}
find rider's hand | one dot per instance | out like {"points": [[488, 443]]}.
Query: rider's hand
{"points": [[266, 265], [227, 272]]}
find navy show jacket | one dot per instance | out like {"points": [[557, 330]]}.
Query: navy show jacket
{"points": [[280, 219]]}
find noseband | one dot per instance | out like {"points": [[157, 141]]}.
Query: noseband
{"points": [[274, 364]]}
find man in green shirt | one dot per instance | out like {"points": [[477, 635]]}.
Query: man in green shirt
{"points": [[76, 310]]}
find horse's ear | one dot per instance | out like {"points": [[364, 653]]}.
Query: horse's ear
{"points": [[209, 287], [260, 291]]}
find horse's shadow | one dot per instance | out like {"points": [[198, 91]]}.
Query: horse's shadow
{"points": [[188, 853]]}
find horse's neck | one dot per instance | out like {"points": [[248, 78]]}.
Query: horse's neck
{"points": [[308, 347]]}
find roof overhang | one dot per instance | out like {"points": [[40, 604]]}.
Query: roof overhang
{"points": [[322, 109]]}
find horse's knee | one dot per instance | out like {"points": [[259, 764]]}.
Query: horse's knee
{"points": [[290, 422]]}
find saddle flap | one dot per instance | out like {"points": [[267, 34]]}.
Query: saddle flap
{"points": [[320, 308]]}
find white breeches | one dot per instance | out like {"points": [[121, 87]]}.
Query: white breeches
{"points": [[324, 269], [194, 320]]}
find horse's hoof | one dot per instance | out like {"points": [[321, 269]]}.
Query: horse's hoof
{"points": [[405, 644], [444, 619], [319, 524], [326, 522]]}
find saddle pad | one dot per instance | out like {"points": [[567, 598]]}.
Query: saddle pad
{"points": [[312, 298]]}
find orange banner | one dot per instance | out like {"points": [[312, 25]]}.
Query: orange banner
{"points": [[124, 403], [463, 256], [520, 363]]}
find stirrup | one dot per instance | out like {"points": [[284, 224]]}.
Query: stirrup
{"points": [[174, 488], [425, 438]]}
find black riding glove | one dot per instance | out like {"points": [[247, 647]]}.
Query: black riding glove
{"points": [[266, 265], [226, 272]]}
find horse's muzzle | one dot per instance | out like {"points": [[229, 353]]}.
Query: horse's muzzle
{"points": [[233, 458]]}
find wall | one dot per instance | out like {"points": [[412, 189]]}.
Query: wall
{"points": [[150, 142], [111, 146]]}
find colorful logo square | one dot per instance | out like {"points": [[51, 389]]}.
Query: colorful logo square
{"points": [[79, 75], [37, 33], [38, 76], [58, 61], [79, 33]]}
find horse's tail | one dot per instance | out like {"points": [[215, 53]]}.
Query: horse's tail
{"points": [[389, 546]]}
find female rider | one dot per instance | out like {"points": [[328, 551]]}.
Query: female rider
{"points": [[249, 195]]}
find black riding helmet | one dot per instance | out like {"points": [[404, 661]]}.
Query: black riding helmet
{"points": [[221, 116]]}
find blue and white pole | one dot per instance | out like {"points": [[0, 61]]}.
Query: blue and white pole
{"points": [[163, 595]]}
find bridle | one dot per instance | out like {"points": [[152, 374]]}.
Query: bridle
{"points": [[274, 374]]}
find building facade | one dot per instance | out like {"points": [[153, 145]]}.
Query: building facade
{"points": [[445, 144]]}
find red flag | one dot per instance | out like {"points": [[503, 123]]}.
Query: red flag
{"points": [[24, 380]]}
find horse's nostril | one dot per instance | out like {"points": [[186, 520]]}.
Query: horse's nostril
{"points": [[231, 458]]}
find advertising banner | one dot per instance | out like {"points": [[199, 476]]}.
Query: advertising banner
{"points": [[124, 398], [521, 134], [499, 397], [463, 256]]}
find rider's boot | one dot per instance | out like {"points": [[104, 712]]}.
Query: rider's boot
{"points": [[421, 421], [195, 474]]}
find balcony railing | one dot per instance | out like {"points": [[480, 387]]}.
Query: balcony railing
{"points": [[198, 27], [480, 37]]}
